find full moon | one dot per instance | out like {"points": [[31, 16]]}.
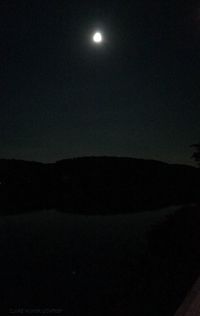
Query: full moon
{"points": [[97, 37]]}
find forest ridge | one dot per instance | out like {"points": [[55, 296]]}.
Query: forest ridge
{"points": [[96, 185]]}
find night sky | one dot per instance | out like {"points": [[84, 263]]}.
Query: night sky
{"points": [[136, 94]]}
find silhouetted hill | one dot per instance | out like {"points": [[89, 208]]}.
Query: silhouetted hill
{"points": [[96, 185]]}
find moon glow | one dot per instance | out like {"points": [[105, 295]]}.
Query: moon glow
{"points": [[97, 37]]}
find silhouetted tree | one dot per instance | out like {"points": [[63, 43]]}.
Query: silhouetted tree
{"points": [[196, 154]]}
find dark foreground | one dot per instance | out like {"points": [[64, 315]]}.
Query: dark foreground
{"points": [[191, 304]]}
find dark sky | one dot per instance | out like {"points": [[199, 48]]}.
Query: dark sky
{"points": [[135, 95]]}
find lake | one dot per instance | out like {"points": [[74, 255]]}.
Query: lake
{"points": [[71, 264]]}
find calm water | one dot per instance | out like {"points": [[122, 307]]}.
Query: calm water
{"points": [[71, 262]]}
